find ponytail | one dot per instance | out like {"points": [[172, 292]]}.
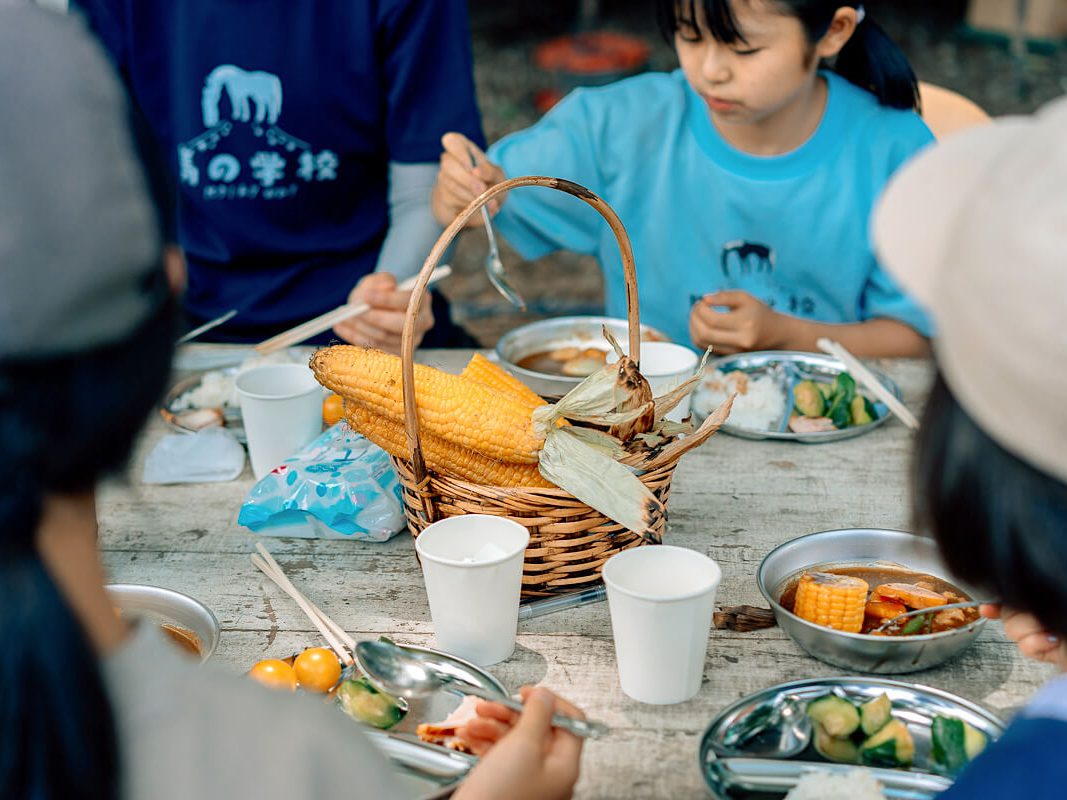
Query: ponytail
{"points": [[873, 61]]}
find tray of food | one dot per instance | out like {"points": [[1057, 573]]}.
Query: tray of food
{"points": [[419, 736], [208, 397], [790, 396], [878, 738], [868, 577]]}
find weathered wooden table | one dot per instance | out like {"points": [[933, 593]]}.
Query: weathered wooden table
{"points": [[732, 499]]}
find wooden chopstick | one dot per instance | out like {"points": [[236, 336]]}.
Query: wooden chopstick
{"points": [[323, 322], [869, 380], [286, 586], [337, 630]]}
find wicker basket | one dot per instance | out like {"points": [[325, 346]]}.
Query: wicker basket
{"points": [[569, 541]]}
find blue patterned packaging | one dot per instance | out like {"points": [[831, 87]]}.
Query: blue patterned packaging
{"points": [[338, 487]]}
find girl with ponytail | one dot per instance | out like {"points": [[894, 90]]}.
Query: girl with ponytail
{"points": [[92, 706], [745, 178]]}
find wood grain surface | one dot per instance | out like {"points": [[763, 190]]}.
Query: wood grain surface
{"points": [[732, 499]]}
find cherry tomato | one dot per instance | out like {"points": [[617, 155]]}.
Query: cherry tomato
{"points": [[274, 674], [317, 669], [333, 410]]}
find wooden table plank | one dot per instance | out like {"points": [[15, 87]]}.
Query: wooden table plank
{"points": [[732, 499]]}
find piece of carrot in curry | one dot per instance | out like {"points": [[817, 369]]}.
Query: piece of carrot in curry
{"points": [[909, 594]]}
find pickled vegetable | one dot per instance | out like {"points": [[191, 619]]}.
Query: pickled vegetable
{"points": [[875, 714], [861, 410], [362, 701], [892, 746], [955, 743], [836, 715], [808, 400], [844, 751]]}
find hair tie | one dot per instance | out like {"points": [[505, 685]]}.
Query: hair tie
{"points": [[861, 14]]}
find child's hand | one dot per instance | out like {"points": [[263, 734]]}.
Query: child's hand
{"points": [[383, 325], [747, 323], [458, 182], [1030, 636], [528, 757]]}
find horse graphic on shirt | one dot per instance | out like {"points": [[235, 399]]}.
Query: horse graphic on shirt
{"points": [[746, 257], [750, 266], [274, 169], [263, 89]]}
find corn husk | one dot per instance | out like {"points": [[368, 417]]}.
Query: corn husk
{"points": [[598, 480]]}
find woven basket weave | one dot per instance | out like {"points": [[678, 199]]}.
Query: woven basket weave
{"points": [[569, 541]]}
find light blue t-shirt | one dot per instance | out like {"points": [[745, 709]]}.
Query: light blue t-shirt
{"points": [[791, 230]]}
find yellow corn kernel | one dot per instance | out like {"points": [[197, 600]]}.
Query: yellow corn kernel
{"points": [[451, 407], [442, 456], [836, 601], [484, 371]]}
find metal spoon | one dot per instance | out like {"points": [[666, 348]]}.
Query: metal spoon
{"points": [[932, 610], [785, 717], [494, 267], [413, 675]]}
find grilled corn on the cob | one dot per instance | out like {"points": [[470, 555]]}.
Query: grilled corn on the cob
{"points": [[484, 371], [836, 601], [454, 408], [442, 456]]}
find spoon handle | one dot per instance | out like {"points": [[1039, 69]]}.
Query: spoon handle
{"points": [[583, 728]]}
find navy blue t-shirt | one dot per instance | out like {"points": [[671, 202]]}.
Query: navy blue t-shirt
{"points": [[279, 119]]}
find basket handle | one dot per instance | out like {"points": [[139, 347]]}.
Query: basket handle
{"points": [[407, 346]]}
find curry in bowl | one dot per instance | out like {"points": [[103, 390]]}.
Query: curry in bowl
{"points": [[862, 598]]}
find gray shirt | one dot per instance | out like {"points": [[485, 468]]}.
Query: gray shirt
{"points": [[189, 731]]}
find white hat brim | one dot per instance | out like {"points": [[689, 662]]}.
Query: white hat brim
{"points": [[915, 219]]}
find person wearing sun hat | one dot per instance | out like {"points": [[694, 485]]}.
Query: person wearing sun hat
{"points": [[94, 706], [976, 230]]}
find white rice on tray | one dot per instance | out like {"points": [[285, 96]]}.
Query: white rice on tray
{"points": [[856, 784], [216, 388], [760, 402]]}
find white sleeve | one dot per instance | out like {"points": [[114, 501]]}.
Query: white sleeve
{"points": [[412, 227]]}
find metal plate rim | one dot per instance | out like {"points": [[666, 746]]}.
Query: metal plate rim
{"points": [[764, 358], [994, 727], [234, 422]]}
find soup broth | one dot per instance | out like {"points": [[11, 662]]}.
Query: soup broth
{"points": [[574, 362]]}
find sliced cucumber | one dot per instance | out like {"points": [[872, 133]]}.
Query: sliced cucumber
{"points": [[955, 743], [843, 751], [874, 714], [892, 746], [836, 714]]}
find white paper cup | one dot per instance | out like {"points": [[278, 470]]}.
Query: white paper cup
{"points": [[472, 566], [281, 405], [661, 599], [665, 365]]}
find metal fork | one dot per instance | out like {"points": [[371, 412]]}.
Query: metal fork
{"points": [[494, 267]]}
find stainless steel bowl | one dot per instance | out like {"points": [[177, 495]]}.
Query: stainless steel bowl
{"points": [[552, 334], [855, 651], [156, 604]]}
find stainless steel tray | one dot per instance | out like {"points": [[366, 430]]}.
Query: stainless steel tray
{"points": [[730, 775], [792, 367], [234, 422], [426, 771]]}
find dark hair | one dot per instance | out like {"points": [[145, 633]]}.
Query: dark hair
{"points": [[1000, 523], [64, 423], [870, 59]]}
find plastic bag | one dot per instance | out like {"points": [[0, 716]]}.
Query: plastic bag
{"points": [[338, 487], [210, 454]]}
